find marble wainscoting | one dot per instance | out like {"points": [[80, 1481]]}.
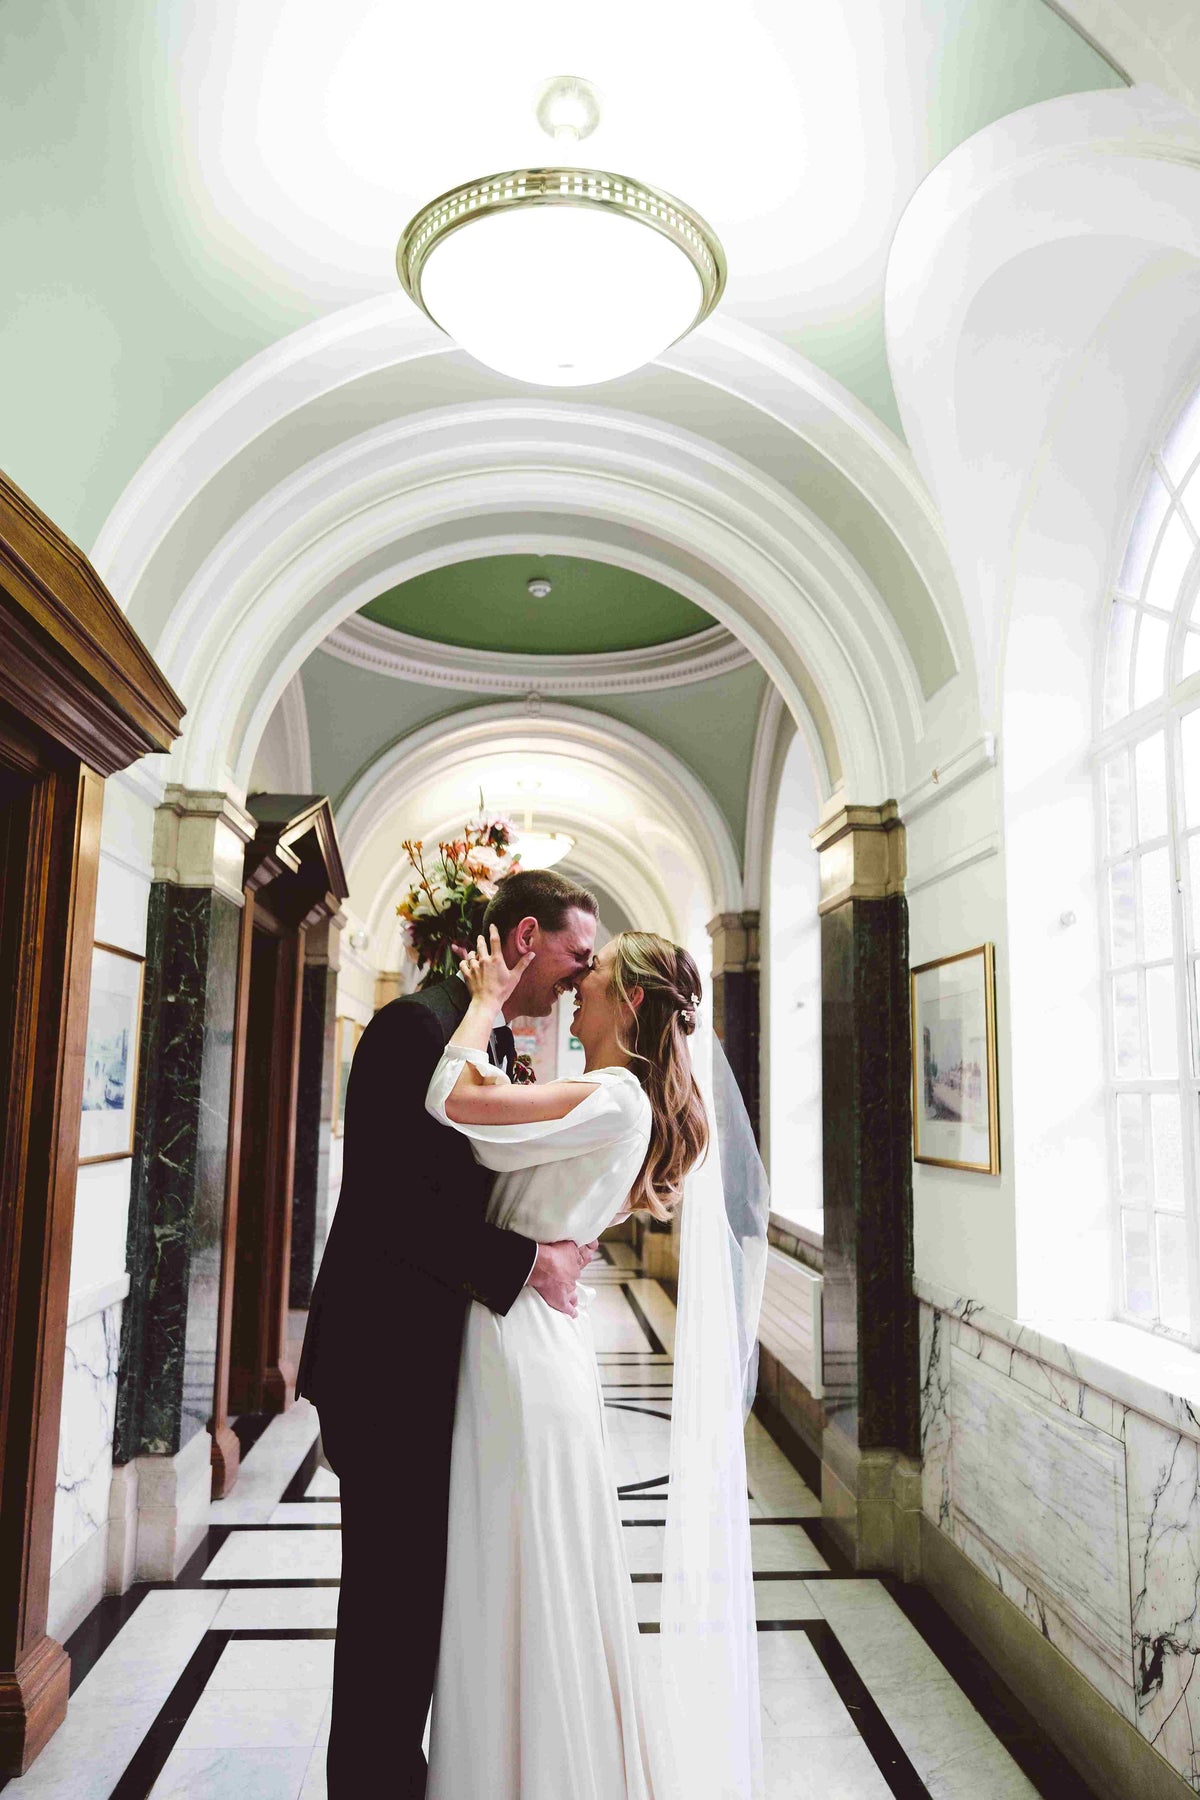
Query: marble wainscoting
{"points": [[1074, 1486], [81, 1499]]}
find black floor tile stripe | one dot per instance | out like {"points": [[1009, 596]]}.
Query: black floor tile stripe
{"points": [[146, 1764], [1006, 1716], [889, 1754], [304, 1474], [657, 1347]]}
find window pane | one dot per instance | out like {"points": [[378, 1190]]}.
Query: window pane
{"points": [[1131, 1146], [1116, 669], [1156, 904], [1190, 499], [1150, 768], [1189, 734], [1190, 660], [1166, 1133], [1160, 1018], [1118, 806], [1149, 673], [1122, 912], [1127, 1025], [1175, 550], [1183, 445], [1150, 515], [1171, 1233], [1193, 862], [1135, 1246]]}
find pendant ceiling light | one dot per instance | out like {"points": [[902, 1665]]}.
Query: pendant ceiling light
{"points": [[562, 275], [538, 849]]}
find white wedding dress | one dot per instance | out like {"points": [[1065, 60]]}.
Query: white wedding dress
{"points": [[538, 1695]]}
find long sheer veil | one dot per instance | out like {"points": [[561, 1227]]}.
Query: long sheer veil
{"points": [[711, 1738]]}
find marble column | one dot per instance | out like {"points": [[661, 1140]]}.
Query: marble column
{"points": [[870, 1472], [169, 1325], [735, 998], [314, 1106]]}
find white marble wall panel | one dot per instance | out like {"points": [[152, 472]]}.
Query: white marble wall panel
{"points": [[1047, 1491], [1164, 1549], [86, 1432], [1076, 1490]]}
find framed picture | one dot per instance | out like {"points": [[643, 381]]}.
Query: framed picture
{"points": [[114, 1030], [955, 1111], [345, 1041]]}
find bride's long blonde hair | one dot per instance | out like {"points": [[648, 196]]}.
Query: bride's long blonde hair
{"points": [[655, 1043]]}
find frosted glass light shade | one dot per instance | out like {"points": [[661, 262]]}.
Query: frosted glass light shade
{"points": [[542, 849], [561, 277]]}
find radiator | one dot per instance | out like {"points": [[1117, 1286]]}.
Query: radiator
{"points": [[790, 1325]]}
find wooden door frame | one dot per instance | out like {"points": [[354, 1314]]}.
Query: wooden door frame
{"points": [[80, 689], [292, 877]]}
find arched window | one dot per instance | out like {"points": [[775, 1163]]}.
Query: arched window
{"points": [[1149, 807]]}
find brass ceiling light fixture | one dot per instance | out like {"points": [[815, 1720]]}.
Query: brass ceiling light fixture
{"points": [[566, 275]]}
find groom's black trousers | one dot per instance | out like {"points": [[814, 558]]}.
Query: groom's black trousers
{"points": [[394, 1472]]}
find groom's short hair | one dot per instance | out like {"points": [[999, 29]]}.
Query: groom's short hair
{"points": [[539, 894]]}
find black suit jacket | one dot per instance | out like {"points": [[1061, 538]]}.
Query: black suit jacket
{"points": [[409, 1243]]}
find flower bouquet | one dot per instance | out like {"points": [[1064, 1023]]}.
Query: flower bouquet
{"points": [[442, 913]]}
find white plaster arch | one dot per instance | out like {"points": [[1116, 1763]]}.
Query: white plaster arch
{"points": [[196, 577], [1043, 316], [403, 499], [644, 826]]}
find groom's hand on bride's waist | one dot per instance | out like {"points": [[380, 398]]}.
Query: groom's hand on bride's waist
{"points": [[555, 1273]]}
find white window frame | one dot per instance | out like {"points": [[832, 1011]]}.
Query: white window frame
{"points": [[1165, 713]]}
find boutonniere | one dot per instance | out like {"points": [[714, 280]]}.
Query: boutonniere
{"points": [[523, 1072]]}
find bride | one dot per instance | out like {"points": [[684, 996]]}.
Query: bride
{"points": [[539, 1692]]}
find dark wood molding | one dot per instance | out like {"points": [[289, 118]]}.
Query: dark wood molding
{"points": [[112, 703], [226, 1450], [279, 1377], [53, 876], [80, 698]]}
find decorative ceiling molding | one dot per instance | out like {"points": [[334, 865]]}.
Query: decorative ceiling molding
{"points": [[384, 651]]}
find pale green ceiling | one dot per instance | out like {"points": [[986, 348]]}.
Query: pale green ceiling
{"points": [[127, 296], [484, 604], [354, 714]]}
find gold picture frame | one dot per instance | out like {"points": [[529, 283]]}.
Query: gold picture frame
{"points": [[955, 1099], [111, 1054], [346, 1034]]}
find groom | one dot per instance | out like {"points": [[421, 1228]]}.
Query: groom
{"points": [[409, 1245]]}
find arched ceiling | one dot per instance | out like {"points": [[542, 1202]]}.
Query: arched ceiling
{"points": [[184, 188], [485, 604]]}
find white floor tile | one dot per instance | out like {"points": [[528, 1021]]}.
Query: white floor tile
{"points": [[269, 1466], [275, 1663], [787, 1600], [277, 1555], [803, 1709], [241, 1774], [324, 1483], [304, 1512], [837, 1768], [315, 1786], [88, 1753], [256, 1718], [272, 1609]]}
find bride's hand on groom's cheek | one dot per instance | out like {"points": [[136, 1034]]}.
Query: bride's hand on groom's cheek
{"points": [[487, 975]]}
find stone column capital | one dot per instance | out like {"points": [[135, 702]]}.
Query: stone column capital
{"points": [[862, 854], [200, 839], [735, 943]]}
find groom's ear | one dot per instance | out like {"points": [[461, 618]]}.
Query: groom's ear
{"points": [[523, 936]]}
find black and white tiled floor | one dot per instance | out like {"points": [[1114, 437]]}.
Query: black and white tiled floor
{"points": [[217, 1687]]}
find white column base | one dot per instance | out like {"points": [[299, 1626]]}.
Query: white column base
{"points": [[158, 1514]]}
